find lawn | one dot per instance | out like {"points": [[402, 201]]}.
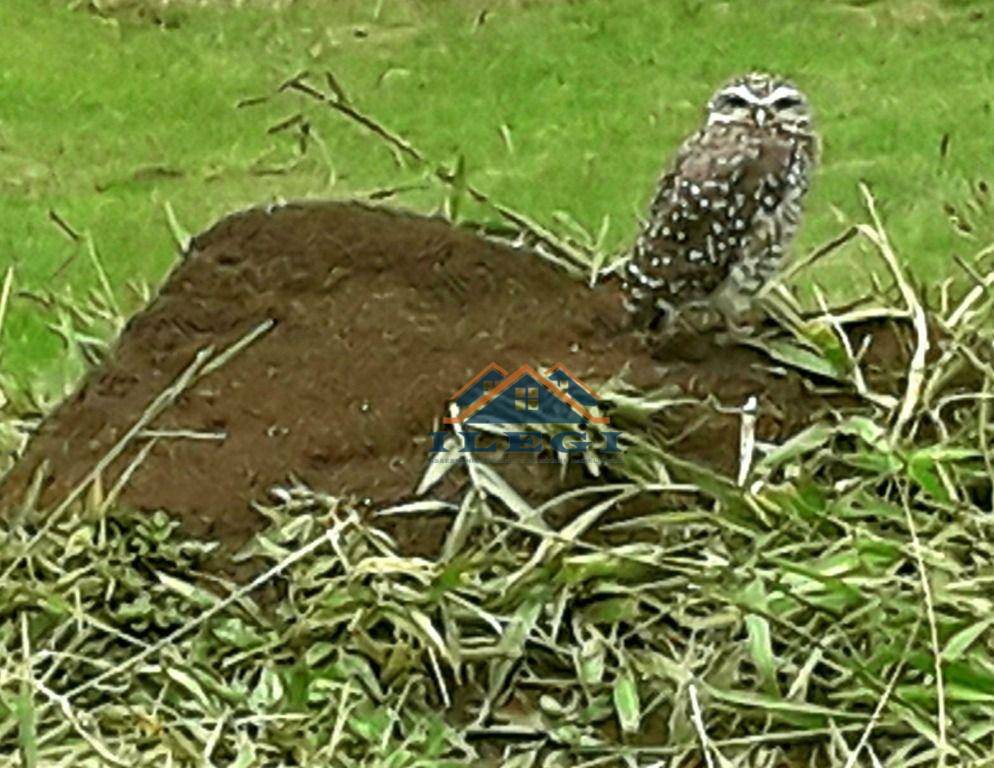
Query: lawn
{"points": [[831, 607], [556, 108]]}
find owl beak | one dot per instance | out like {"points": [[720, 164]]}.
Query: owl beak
{"points": [[760, 117]]}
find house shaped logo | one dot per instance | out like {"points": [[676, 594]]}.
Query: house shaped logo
{"points": [[526, 396]]}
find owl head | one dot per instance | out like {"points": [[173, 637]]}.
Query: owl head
{"points": [[763, 100]]}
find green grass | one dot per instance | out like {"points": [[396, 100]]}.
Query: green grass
{"points": [[841, 593], [833, 609], [108, 119]]}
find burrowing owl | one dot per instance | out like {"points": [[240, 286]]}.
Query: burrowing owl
{"points": [[729, 205]]}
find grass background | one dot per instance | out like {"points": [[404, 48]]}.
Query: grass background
{"points": [[852, 577], [109, 111]]}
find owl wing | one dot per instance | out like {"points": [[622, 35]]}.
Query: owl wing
{"points": [[703, 217]]}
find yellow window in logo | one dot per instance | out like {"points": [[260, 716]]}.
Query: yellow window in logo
{"points": [[526, 398]]}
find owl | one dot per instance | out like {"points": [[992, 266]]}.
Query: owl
{"points": [[728, 207]]}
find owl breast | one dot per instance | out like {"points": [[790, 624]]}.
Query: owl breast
{"points": [[721, 217]]}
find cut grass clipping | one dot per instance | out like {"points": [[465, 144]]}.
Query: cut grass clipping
{"points": [[832, 607]]}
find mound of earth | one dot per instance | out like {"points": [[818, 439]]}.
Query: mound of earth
{"points": [[378, 317]]}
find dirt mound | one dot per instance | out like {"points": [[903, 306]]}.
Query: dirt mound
{"points": [[378, 318]]}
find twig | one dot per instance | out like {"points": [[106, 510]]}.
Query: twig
{"points": [[870, 314], [816, 255], [251, 101], [982, 435], [916, 371], [974, 294], [63, 225], [180, 236], [288, 122], [225, 355], [882, 703], [344, 710], [972, 273], [91, 250], [747, 438], [8, 283], [943, 745], [127, 473], [332, 81], [397, 142], [183, 434], [471, 468], [697, 717]]}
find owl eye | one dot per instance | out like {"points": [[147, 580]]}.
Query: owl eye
{"points": [[787, 102], [735, 102]]}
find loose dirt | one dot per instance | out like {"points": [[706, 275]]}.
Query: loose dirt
{"points": [[379, 317]]}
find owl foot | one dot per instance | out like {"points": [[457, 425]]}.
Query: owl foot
{"points": [[733, 334], [699, 318]]}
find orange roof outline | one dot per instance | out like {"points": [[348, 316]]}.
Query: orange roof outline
{"points": [[510, 381], [568, 372], [480, 375]]}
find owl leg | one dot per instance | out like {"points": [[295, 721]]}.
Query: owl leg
{"points": [[664, 315], [659, 316], [697, 316], [736, 309], [648, 312]]}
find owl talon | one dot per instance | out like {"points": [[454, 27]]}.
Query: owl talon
{"points": [[697, 318], [736, 334]]}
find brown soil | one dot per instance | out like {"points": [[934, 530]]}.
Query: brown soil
{"points": [[379, 318]]}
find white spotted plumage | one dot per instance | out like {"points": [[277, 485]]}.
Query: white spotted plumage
{"points": [[730, 204]]}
